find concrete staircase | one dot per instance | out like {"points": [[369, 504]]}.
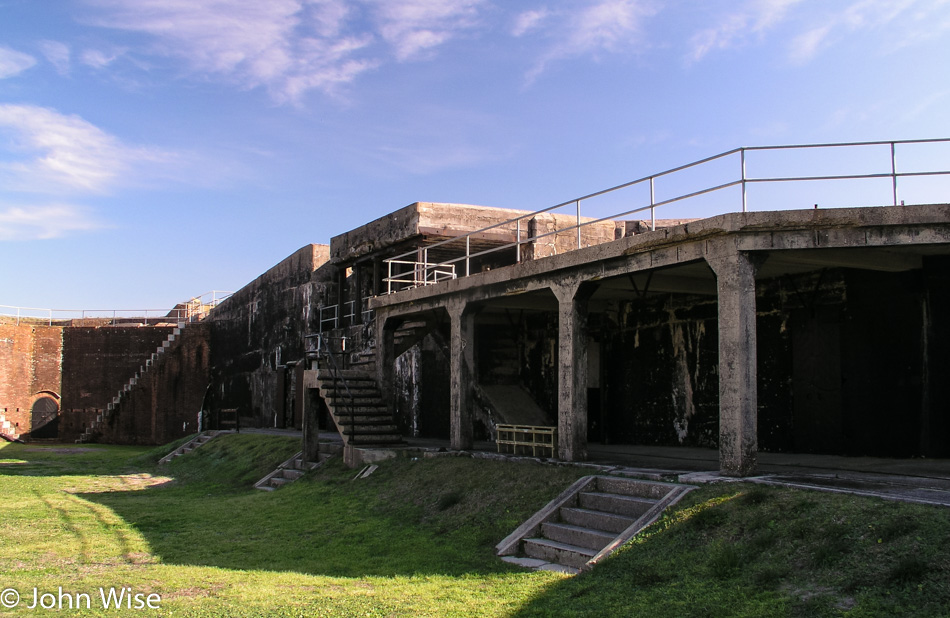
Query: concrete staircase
{"points": [[356, 404], [290, 471], [155, 358], [200, 440], [587, 522]]}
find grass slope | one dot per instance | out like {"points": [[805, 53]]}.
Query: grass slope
{"points": [[416, 539]]}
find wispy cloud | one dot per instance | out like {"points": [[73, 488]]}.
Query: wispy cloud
{"points": [[285, 46], [815, 27], [613, 26], [58, 54], [289, 47], [901, 23], [737, 28], [44, 222], [54, 153], [412, 27], [98, 59], [528, 21], [13, 62]]}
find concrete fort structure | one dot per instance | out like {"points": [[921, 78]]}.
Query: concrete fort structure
{"points": [[811, 331], [824, 330]]}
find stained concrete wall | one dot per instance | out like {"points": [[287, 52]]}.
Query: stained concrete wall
{"points": [[261, 329], [30, 371]]}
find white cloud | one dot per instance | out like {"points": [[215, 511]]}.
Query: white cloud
{"points": [[99, 59], [289, 47], [604, 26], [285, 46], [735, 29], [814, 27], [58, 54], [44, 222], [53, 153], [415, 26], [528, 21], [13, 62]]}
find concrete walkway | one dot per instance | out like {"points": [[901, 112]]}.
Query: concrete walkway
{"points": [[925, 481]]}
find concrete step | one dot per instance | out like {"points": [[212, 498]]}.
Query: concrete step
{"points": [[368, 441], [279, 481], [371, 430], [632, 487], [561, 553], [339, 392], [631, 506], [376, 410], [577, 535], [291, 474], [359, 402], [345, 418], [597, 520]]}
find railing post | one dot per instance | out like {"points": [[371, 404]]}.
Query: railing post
{"points": [[425, 266], [389, 277], [578, 203], [894, 171], [518, 241], [468, 253], [744, 196], [652, 205]]}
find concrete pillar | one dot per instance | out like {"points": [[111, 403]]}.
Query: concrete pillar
{"points": [[386, 355], [311, 427], [572, 300], [462, 365], [738, 398]]}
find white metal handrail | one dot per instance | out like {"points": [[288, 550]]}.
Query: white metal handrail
{"points": [[420, 274], [192, 310], [743, 180], [330, 315]]}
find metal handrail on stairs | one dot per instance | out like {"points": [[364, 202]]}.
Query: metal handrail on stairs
{"points": [[323, 350]]}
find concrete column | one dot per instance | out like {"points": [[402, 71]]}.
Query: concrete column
{"points": [[462, 364], [738, 398], [386, 355], [572, 370], [311, 427]]}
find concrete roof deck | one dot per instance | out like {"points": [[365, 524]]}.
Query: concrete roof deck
{"points": [[878, 238]]}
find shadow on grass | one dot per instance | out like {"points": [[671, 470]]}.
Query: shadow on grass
{"points": [[411, 517]]}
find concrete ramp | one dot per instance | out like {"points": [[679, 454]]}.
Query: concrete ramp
{"points": [[511, 404]]}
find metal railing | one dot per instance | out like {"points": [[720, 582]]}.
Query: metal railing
{"points": [[192, 310], [330, 317], [320, 347], [418, 273], [738, 177]]}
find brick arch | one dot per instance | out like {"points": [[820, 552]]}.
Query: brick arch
{"points": [[44, 415]]}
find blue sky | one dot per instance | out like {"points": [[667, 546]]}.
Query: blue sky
{"points": [[152, 150]]}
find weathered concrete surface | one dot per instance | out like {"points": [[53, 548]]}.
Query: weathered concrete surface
{"points": [[738, 399], [817, 271], [260, 329], [419, 218], [461, 357], [794, 230]]}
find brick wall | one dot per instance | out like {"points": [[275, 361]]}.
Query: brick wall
{"points": [[164, 404], [30, 364]]}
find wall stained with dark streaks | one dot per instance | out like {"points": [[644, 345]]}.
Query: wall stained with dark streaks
{"points": [[261, 329]]}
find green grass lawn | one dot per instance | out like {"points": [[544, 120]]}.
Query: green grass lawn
{"points": [[417, 537]]}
